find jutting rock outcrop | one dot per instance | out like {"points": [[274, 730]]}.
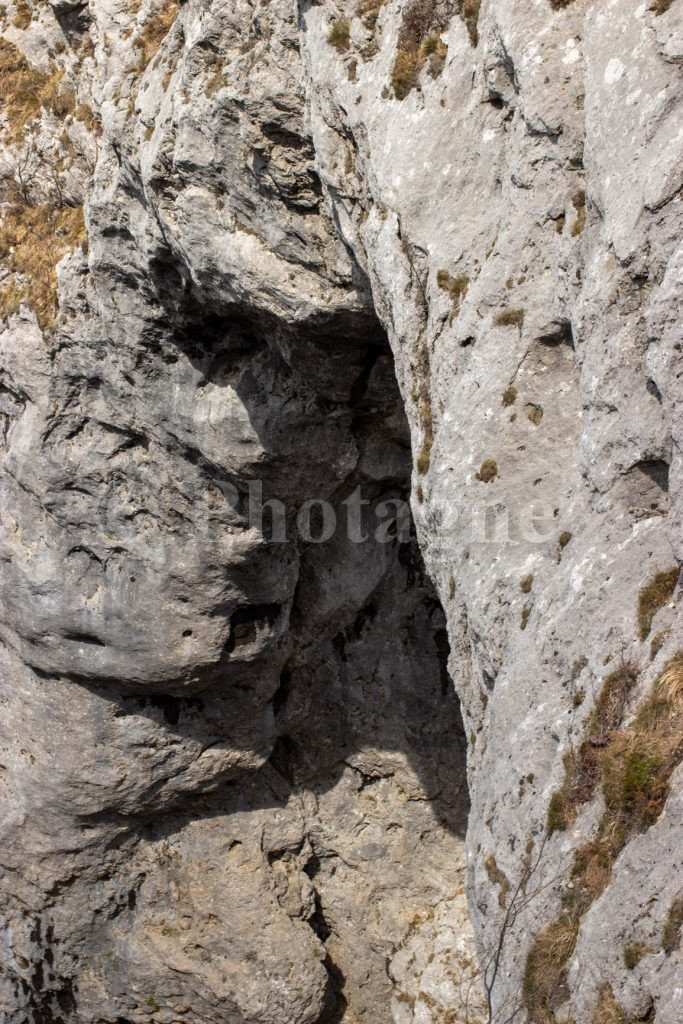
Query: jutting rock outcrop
{"points": [[342, 673]]}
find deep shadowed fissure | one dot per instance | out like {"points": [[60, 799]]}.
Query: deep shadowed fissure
{"points": [[364, 662]]}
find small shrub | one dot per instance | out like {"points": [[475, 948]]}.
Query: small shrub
{"points": [[661, 6], [564, 539], [671, 936], [488, 471], [654, 596], [526, 583], [510, 318], [526, 612], [509, 396]]}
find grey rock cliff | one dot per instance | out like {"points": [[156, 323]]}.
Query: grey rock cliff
{"points": [[405, 250]]}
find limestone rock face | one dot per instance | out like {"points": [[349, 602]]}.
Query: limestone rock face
{"points": [[271, 750]]}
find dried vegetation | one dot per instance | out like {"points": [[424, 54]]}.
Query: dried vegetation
{"points": [[633, 763]]}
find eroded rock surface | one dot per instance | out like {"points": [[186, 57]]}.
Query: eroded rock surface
{"points": [[397, 249]]}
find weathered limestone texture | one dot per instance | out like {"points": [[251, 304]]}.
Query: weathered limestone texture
{"points": [[422, 250]]}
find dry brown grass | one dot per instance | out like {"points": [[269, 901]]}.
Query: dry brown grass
{"points": [[470, 15], [635, 765], [671, 936], [421, 396], [424, 409], [510, 318], [154, 31], [638, 762], [608, 1010], [419, 44], [654, 596], [582, 764], [545, 978], [26, 90], [368, 12], [33, 239], [23, 16], [579, 203], [534, 413]]}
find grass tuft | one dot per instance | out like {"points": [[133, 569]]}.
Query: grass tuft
{"points": [[581, 765], [671, 936], [608, 1010], [654, 596], [456, 287], [510, 318], [470, 15], [339, 35], [488, 471], [544, 986], [23, 16], [634, 953], [579, 203]]}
